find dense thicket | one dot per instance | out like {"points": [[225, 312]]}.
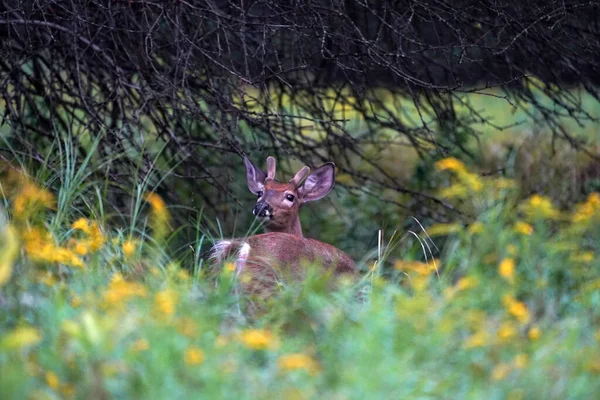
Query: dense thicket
{"points": [[208, 79]]}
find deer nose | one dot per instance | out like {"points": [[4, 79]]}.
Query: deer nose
{"points": [[262, 209]]}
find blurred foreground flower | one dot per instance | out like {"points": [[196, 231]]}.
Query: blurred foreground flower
{"points": [[9, 243], [119, 291], [20, 337], [259, 339], [506, 269], [516, 308], [539, 207], [194, 356], [159, 216], [296, 361]]}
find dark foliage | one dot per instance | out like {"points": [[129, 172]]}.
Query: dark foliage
{"points": [[179, 73]]}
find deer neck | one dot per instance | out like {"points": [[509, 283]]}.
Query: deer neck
{"points": [[295, 228]]}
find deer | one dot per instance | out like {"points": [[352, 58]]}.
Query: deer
{"points": [[264, 260]]}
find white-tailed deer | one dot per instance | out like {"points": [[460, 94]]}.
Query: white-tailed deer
{"points": [[278, 255]]}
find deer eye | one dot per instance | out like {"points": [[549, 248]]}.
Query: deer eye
{"points": [[259, 194], [290, 197]]}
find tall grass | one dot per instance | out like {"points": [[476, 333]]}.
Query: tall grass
{"points": [[90, 309]]}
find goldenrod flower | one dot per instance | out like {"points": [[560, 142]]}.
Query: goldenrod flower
{"points": [[521, 360], [165, 302], [466, 282], [586, 211], [97, 239], [81, 248], [534, 333], [506, 269], [450, 164], [156, 202], [82, 224], [523, 228], [30, 200], [500, 371], [539, 206], [128, 247], [119, 291], [258, 339], [454, 191], [516, 308], [159, 215], [291, 362], [478, 339], [194, 356], [422, 269], [52, 380], [506, 332]]}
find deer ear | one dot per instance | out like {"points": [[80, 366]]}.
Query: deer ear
{"points": [[319, 183], [255, 177]]}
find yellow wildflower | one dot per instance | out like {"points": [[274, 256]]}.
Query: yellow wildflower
{"points": [[82, 224], [10, 251], [20, 337], [165, 302], [81, 248], [159, 215], [450, 164], [471, 180], [194, 356], [30, 200], [523, 228], [534, 333], [128, 247], [119, 291], [538, 206], [156, 202], [140, 345], [586, 211], [291, 362], [500, 372], [229, 267], [423, 269], [466, 282], [478, 339], [454, 191], [52, 380], [516, 308], [97, 239], [258, 339], [506, 332], [506, 269], [521, 360]]}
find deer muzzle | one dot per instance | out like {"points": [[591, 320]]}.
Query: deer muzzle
{"points": [[262, 209]]}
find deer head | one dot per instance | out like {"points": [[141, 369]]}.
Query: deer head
{"points": [[278, 203]]}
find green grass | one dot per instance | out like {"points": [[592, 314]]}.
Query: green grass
{"points": [[509, 308]]}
